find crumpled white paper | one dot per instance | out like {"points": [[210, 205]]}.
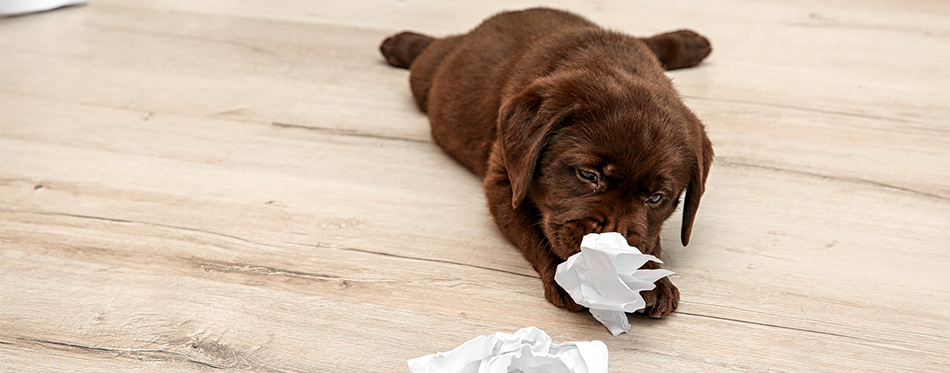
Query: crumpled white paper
{"points": [[606, 277], [528, 350], [17, 7]]}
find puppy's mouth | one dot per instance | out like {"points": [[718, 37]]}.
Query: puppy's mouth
{"points": [[565, 238]]}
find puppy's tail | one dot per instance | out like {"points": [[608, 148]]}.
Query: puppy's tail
{"points": [[403, 48]]}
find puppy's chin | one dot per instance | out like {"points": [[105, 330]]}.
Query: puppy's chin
{"points": [[565, 238]]}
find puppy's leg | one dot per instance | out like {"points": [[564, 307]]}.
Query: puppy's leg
{"points": [[679, 49], [422, 55], [401, 50], [519, 225]]}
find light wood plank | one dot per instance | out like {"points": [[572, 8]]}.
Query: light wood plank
{"points": [[245, 185]]}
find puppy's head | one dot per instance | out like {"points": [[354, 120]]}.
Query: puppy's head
{"points": [[602, 153]]}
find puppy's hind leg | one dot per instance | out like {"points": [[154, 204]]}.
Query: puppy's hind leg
{"points": [[679, 49], [403, 48]]}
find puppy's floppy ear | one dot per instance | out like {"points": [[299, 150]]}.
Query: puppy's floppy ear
{"points": [[702, 159], [524, 123]]}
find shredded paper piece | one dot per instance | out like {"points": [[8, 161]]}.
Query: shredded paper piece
{"points": [[606, 277], [528, 350]]}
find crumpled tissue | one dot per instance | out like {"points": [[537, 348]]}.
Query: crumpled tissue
{"points": [[606, 277], [528, 350]]}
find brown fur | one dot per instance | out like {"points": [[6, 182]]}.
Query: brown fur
{"points": [[572, 127]]}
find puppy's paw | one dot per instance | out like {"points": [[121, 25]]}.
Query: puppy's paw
{"points": [[401, 49], [558, 297], [679, 49], [661, 300]]}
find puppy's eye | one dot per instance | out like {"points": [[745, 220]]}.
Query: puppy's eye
{"points": [[655, 198], [590, 176]]}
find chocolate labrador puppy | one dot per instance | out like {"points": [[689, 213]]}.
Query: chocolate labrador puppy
{"points": [[573, 128]]}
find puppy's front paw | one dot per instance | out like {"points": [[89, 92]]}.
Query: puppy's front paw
{"points": [[558, 297], [661, 300]]}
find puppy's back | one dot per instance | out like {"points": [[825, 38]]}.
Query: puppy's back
{"points": [[459, 80]]}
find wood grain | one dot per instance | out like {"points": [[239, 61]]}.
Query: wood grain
{"points": [[239, 185]]}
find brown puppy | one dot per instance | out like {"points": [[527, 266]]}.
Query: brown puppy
{"points": [[574, 129]]}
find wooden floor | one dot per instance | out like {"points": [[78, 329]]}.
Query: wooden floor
{"points": [[245, 185]]}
